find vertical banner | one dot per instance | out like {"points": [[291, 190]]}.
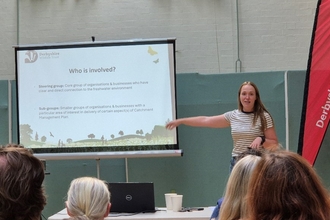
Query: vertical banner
{"points": [[316, 104]]}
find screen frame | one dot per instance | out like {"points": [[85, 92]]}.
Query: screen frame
{"points": [[95, 154]]}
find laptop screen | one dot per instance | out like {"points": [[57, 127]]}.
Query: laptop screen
{"points": [[132, 197]]}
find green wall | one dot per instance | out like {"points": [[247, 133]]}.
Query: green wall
{"points": [[201, 174], [4, 130]]}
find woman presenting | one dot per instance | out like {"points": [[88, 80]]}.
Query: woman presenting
{"points": [[251, 124]]}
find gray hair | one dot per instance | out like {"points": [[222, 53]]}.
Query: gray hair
{"points": [[88, 198]]}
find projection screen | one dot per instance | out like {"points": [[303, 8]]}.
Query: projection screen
{"points": [[97, 99]]}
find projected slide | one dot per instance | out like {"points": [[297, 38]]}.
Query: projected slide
{"points": [[107, 97]]}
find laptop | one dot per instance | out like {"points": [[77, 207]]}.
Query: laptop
{"points": [[132, 197]]}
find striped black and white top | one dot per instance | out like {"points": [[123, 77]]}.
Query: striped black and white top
{"points": [[242, 131]]}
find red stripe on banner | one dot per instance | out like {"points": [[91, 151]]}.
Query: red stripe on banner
{"points": [[318, 100]]}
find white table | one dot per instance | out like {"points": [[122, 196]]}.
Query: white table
{"points": [[162, 214]]}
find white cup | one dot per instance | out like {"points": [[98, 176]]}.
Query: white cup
{"points": [[168, 200], [176, 202]]}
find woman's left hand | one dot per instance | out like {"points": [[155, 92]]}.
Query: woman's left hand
{"points": [[256, 143]]}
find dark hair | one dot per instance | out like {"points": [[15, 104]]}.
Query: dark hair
{"points": [[285, 186], [259, 109], [249, 151], [21, 191]]}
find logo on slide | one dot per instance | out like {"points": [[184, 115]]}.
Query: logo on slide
{"points": [[31, 56]]}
